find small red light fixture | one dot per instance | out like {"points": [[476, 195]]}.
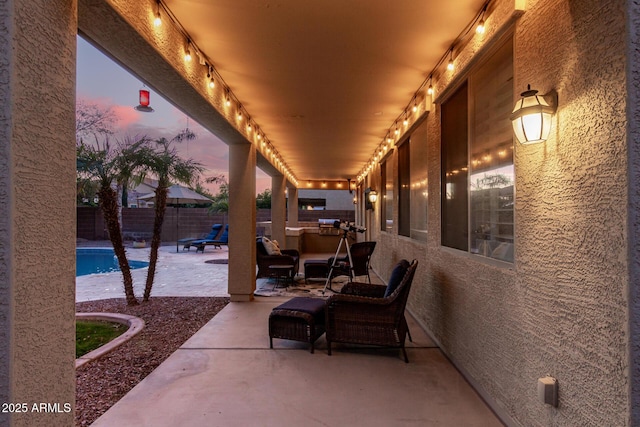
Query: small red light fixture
{"points": [[144, 102]]}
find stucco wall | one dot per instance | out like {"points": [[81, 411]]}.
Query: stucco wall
{"points": [[37, 214], [561, 308], [633, 117]]}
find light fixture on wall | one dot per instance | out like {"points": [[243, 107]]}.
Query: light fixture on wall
{"points": [[531, 116], [370, 197]]}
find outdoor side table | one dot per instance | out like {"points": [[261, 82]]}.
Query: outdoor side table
{"points": [[282, 272], [299, 319]]}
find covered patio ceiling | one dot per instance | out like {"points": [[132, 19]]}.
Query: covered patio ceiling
{"points": [[324, 80]]}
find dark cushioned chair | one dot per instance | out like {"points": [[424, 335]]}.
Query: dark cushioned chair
{"points": [[361, 314], [361, 255], [264, 260]]}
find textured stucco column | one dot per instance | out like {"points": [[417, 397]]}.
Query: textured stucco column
{"points": [[278, 209], [242, 222], [292, 206], [37, 209]]}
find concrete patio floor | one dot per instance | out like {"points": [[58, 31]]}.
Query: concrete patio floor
{"points": [[226, 374]]}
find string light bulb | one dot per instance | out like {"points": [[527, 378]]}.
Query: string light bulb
{"points": [[450, 65], [430, 90], [212, 82], [187, 52], [157, 20], [480, 27]]}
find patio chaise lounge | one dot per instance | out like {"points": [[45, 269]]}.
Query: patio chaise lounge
{"points": [[369, 314], [213, 234], [216, 243]]}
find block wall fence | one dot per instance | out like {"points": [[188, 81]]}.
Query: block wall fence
{"points": [[193, 222]]}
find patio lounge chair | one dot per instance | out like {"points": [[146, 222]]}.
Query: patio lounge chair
{"points": [[216, 243], [361, 255], [215, 230], [371, 314], [264, 260]]}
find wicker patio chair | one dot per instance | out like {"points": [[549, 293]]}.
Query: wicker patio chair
{"points": [[371, 314], [361, 255]]}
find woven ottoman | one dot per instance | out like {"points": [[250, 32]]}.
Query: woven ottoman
{"points": [[316, 268], [299, 319]]}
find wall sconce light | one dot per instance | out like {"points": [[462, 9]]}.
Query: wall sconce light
{"points": [[370, 197], [531, 116]]}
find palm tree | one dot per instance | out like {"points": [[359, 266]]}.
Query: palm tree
{"points": [[103, 163], [131, 155], [167, 166]]}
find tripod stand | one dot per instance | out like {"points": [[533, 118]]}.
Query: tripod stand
{"points": [[344, 240]]}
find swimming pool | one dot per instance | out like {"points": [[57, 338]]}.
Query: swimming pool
{"points": [[102, 260]]}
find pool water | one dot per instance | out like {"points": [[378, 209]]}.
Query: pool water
{"points": [[91, 261]]}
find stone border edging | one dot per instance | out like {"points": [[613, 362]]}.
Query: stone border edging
{"points": [[135, 326]]}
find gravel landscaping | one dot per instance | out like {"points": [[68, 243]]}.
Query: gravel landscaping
{"points": [[169, 322]]}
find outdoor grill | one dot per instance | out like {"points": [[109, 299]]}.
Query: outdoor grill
{"points": [[326, 228]]}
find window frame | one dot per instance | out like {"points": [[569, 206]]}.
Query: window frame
{"points": [[471, 129]]}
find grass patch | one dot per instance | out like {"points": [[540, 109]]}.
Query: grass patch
{"points": [[91, 334]]}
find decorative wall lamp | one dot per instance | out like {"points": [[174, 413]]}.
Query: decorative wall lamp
{"points": [[531, 116], [370, 197]]}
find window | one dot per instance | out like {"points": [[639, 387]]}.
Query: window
{"points": [[477, 161], [404, 192], [386, 196], [412, 183], [418, 168], [455, 232]]}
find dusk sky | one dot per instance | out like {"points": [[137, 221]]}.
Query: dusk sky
{"points": [[103, 82]]}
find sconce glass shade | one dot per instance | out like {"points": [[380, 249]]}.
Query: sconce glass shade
{"points": [[531, 117], [373, 196]]}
